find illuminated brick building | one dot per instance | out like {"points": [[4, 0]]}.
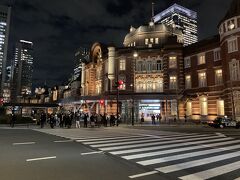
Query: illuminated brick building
{"points": [[161, 76]]}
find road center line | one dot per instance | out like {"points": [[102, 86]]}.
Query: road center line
{"points": [[43, 158], [24, 143], [95, 152], [143, 174]]}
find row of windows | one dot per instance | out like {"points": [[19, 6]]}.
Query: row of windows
{"points": [[203, 104], [202, 79], [202, 58], [149, 66], [149, 85]]}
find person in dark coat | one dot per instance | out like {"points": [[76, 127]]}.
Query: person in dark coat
{"points": [[85, 118], [13, 120], [112, 120], [43, 119]]}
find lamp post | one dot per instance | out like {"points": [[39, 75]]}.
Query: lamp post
{"points": [[135, 55]]}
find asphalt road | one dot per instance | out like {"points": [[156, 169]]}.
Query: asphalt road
{"points": [[69, 164], [142, 153]]}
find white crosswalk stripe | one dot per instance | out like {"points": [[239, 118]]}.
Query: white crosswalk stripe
{"points": [[179, 150], [171, 140], [174, 153], [210, 173]]}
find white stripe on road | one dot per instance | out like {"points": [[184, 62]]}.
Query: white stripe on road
{"points": [[95, 152], [210, 173], [24, 143], [108, 138], [143, 155], [43, 158], [132, 140], [143, 174], [187, 155], [191, 164], [237, 178], [118, 140], [158, 143], [63, 141]]}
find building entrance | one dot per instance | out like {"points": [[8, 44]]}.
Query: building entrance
{"points": [[147, 108]]}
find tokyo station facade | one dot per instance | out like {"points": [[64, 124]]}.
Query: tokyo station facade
{"points": [[200, 81]]}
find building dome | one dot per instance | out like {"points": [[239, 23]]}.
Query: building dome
{"points": [[151, 35], [230, 23]]}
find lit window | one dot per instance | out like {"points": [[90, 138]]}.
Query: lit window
{"points": [[173, 108], [232, 45], [234, 70], [217, 55], [151, 40], [146, 41], [149, 86], [156, 40], [218, 77], [201, 59], [203, 106], [202, 79], [220, 108], [187, 62], [189, 108], [122, 64], [188, 84], [172, 62], [173, 82]]}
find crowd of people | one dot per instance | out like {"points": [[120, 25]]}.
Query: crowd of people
{"points": [[67, 119]]}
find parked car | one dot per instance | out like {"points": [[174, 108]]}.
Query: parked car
{"points": [[222, 122]]}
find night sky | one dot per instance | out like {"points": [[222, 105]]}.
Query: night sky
{"points": [[58, 27]]}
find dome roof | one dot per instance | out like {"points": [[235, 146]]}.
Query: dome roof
{"points": [[233, 11]]}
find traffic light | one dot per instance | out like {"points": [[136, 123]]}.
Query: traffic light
{"points": [[119, 84], [101, 102]]}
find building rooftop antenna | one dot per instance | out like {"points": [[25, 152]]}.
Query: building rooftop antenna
{"points": [[152, 20]]}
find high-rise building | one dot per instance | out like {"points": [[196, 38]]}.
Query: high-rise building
{"points": [[82, 55], [23, 68], [5, 13], [182, 18]]}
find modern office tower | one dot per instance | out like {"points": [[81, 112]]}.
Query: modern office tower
{"points": [[82, 55], [22, 68], [181, 18], [5, 13]]}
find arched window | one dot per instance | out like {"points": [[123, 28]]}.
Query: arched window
{"points": [[149, 86]]}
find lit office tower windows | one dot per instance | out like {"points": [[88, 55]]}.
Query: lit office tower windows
{"points": [[5, 13], [22, 68], [181, 18]]}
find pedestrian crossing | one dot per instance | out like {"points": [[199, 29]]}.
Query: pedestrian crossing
{"points": [[184, 156]]}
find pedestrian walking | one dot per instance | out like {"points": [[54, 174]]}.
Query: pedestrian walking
{"points": [[43, 119], [85, 120], [153, 119], [77, 118], [13, 120]]}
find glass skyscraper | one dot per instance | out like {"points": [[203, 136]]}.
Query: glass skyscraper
{"points": [[182, 18], [5, 13], [23, 69]]}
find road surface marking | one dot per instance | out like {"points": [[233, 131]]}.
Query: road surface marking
{"points": [[143, 155], [95, 152], [108, 138], [186, 155], [210, 173], [24, 143], [237, 178], [118, 140], [63, 141], [220, 134], [143, 174], [191, 164], [149, 139], [160, 143], [43, 158]]}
